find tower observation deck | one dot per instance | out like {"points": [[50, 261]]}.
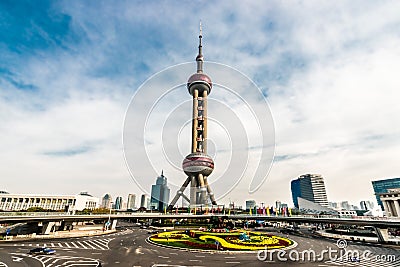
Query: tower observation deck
{"points": [[198, 165]]}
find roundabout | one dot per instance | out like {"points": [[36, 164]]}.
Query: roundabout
{"points": [[236, 240]]}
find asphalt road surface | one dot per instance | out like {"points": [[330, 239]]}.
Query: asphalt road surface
{"points": [[129, 248]]}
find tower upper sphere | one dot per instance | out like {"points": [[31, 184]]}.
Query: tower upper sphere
{"points": [[199, 80]]}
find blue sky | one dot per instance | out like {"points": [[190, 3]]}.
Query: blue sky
{"points": [[68, 70]]}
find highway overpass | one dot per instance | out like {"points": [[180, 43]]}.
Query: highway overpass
{"points": [[381, 224]]}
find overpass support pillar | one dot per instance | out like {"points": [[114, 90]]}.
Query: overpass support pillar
{"points": [[47, 227], [383, 234], [113, 224], [66, 226]]}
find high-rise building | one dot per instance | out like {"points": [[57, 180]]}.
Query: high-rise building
{"points": [[106, 201], [366, 205], [198, 165], [344, 205], [118, 203], [333, 205], [144, 201], [310, 187], [382, 186], [131, 202], [250, 204], [159, 193]]}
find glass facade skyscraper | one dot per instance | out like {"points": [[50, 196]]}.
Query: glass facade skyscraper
{"points": [[159, 194], [382, 186], [118, 203], [310, 187]]}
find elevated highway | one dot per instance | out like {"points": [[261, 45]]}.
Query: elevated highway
{"points": [[381, 224]]}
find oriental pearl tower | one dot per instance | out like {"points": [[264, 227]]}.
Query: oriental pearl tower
{"points": [[198, 165]]}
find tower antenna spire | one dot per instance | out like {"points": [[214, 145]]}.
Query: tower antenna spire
{"points": [[199, 57], [201, 30]]}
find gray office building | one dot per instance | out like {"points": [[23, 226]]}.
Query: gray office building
{"points": [[310, 187], [159, 194]]}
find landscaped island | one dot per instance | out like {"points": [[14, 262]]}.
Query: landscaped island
{"points": [[237, 240]]}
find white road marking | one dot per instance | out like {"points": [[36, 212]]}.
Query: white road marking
{"points": [[87, 243], [81, 244], [74, 244], [17, 259], [94, 243]]}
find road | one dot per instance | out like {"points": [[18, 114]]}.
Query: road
{"points": [[129, 248]]}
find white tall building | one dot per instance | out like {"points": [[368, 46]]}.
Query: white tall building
{"points": [[131, 202]]}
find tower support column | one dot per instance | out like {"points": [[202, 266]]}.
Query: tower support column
{"points": [[194, 120], [193, 191], [205, 120]]}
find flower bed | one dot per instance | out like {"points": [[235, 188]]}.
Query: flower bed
{"points": [[232, 241]]}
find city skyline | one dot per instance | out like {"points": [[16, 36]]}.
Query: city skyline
{"points": [[327, 71]]}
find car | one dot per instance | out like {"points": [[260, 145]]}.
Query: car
{"points": [[152, 232], [46, 251]]}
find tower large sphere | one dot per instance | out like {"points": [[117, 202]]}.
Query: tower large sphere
{"points": [[199, 81], [198, 163]]}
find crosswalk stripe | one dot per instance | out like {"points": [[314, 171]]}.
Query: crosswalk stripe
{"points": [[91, 243], [81, 244], [87, 243], [99, 244], [74, 244], [46, 260]]}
